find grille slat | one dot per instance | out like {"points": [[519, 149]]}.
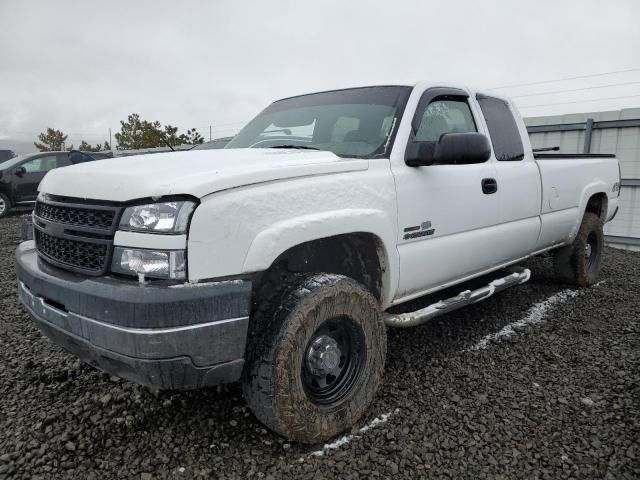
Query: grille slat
{"points": [[74, 236], [76, 216], [74, 253]]}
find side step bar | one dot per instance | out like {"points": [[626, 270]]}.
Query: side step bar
{"points": [[468, 297]]}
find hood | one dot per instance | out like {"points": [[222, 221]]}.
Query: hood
{"points": [[197, 173]]}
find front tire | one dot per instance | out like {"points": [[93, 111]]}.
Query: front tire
{"points": [[579, 263], [316, 357], [5, 205]]}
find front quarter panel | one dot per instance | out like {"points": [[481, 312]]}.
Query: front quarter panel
{"points": [[243, 230]]}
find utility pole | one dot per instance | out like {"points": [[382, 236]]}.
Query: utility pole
{"points": [[110, 147], [209, 132]]}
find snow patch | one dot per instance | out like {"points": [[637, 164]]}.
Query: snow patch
{"points": [[334, 445], [376, 422], [384, 418], [534, 315]]}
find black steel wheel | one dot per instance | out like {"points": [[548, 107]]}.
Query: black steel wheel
{"points": [[333, 360]]}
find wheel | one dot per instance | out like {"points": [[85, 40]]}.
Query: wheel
{"points": [[579, 263], [315, 357], [5, 205]]}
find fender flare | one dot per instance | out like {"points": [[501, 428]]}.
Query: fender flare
{"points": [[273, 241], [587, 192]]}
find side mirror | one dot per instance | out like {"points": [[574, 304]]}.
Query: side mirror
{"points": [[20, 171], [420, 153], [450, 149]]}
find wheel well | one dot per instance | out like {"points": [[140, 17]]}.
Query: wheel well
{"points": [[357, 255], [598, 204]]}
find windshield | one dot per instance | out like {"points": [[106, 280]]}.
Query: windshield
{"points": [[358, 122], [213, 144]]}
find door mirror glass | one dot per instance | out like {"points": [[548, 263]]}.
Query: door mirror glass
{"points": [[450, 149], [20, 171], [419, 153]]}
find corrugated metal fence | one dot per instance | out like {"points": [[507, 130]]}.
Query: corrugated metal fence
{"points": [[601, 132]]}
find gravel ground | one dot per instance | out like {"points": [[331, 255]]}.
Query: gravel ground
{"points": [[558, 399]]}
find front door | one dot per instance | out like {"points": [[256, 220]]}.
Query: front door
{"points": [[447, 219]]}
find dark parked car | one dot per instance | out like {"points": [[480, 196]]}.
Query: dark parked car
{"points": [[21, 175]]}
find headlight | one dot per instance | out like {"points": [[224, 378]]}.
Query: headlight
{"points": [[165, 217], [154, 264]]}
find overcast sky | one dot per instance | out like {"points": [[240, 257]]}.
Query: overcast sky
{"points": [[83, 66]]}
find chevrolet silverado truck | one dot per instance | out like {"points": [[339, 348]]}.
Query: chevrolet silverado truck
{"points": [[280, 260]]}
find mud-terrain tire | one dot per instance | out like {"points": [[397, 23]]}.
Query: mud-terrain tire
{"points": [[5, 205], [579, 263], [315, 356]]}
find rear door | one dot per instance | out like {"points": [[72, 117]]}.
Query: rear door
{"points": [[518, 177], [26, 184]]}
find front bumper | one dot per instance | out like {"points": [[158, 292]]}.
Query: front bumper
{"points": [[165, 337]]}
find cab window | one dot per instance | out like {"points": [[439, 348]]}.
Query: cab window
{"points": [[445, 116], [505, 136]]}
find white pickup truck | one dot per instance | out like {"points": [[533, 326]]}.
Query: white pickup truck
{"points": [[279, 259]]}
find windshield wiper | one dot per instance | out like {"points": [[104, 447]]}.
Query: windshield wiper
{"points": [[299, 147]]}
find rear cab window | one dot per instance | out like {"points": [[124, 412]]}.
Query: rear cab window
{"points": [[503, 129]]}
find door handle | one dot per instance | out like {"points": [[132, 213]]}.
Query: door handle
{"points": [[489, 186]]}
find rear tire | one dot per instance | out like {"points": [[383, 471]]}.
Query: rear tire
{"points": [[5, 205], [579, 263], [315, 357]]}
